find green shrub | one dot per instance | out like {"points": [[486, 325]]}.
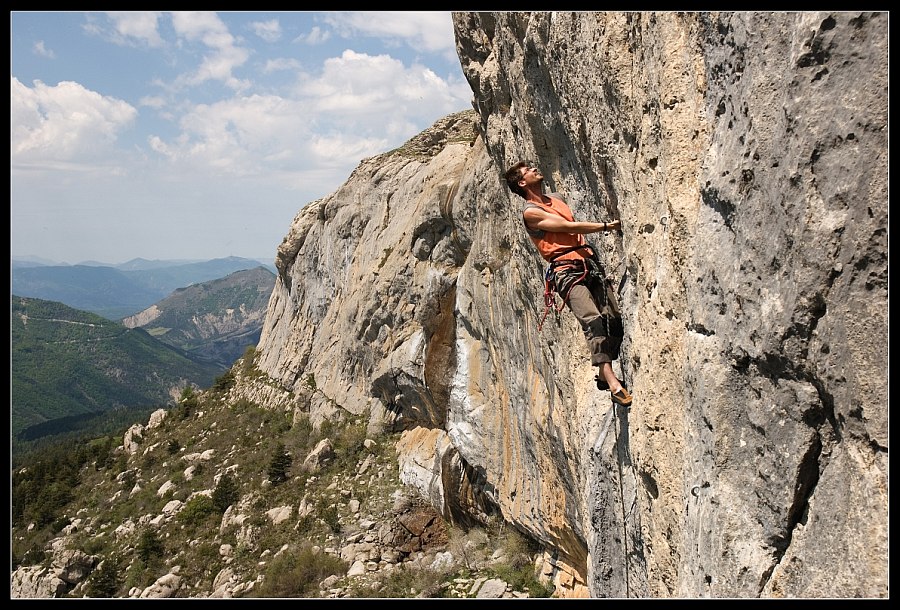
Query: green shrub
{"points": [[297, 573], [518, 570], [519, 550], [196, 510], [139, 574], [467, 546], [148, 462], [348, 444], [119, 466], [522, 578], [278, 423], [306, 524], [205, 562], [103, 455], [302, 425], [33, 556], [187, 404], [95, 545], [329, 514], [278, 466], [404, 582], [129, 478], [248, 361], [536, 588], [311, 381], [224, 382]]}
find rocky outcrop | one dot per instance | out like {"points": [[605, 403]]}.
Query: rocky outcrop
{"points": [[746, 156], [67, 569], [135, 434], [142, 318]]}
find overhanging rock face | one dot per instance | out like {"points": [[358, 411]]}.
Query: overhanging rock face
{"points": [[746, 155]]}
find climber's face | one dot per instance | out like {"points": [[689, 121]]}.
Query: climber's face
{"points": [[530, 175]]}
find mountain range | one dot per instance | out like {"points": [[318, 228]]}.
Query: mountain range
{"points": [[72, 369], [118, 291], [212, 321]]}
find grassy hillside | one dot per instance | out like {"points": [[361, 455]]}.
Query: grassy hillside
{"points": [[70, 365], [107, 503]]}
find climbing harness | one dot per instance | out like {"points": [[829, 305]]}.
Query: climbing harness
{"points": [[550, 291], [550, 287]]}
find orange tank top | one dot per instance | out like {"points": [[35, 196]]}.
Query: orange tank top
{"points": [[554, 246]]}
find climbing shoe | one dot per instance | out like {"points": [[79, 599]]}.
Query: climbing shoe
{"points": [[601, 383], [621, 397]]}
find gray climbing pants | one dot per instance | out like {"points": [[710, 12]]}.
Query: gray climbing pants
{"points": [[591, 298]]}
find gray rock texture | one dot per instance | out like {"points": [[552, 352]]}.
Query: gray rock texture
{"points": [[746, 155]]}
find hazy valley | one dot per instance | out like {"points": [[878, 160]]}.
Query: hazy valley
{"points": [[75, 371]]}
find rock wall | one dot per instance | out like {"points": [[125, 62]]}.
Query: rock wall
{"points": [[746, 155]]}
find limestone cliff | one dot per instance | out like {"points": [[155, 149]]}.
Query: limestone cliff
{"points": [[746, 156]]}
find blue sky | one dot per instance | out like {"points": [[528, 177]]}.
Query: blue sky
{"points": [[194, 135]]}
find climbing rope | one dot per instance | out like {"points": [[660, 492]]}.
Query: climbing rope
{"points": [[622, 502]]}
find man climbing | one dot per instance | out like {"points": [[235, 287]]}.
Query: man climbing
{"points": [[575, 272]]}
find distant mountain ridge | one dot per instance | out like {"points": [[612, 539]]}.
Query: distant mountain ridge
{"points": [[212, 321], [116, 292], [72, 366], [129, 265]]}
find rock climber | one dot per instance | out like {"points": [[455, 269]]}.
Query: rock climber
{"points": [[574, 271]]}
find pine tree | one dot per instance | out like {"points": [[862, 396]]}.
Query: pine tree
{"points": [[149, 546], [225, 494], [104, 580], [281, 461]]}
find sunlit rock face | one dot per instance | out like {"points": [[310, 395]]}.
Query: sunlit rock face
{"points": [[746, 156]]}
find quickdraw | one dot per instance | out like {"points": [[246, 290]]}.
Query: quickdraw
{"points": [[549, 295]]}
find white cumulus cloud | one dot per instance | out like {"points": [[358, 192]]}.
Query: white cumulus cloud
{"points": [[65, 122], [355, 108], [270, 31], [430, 31], [367, 89], [226, 55], [315, 36], [131, 27], [41, 49]]}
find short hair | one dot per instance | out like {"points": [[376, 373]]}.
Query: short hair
{"points": [[513, 175]]}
